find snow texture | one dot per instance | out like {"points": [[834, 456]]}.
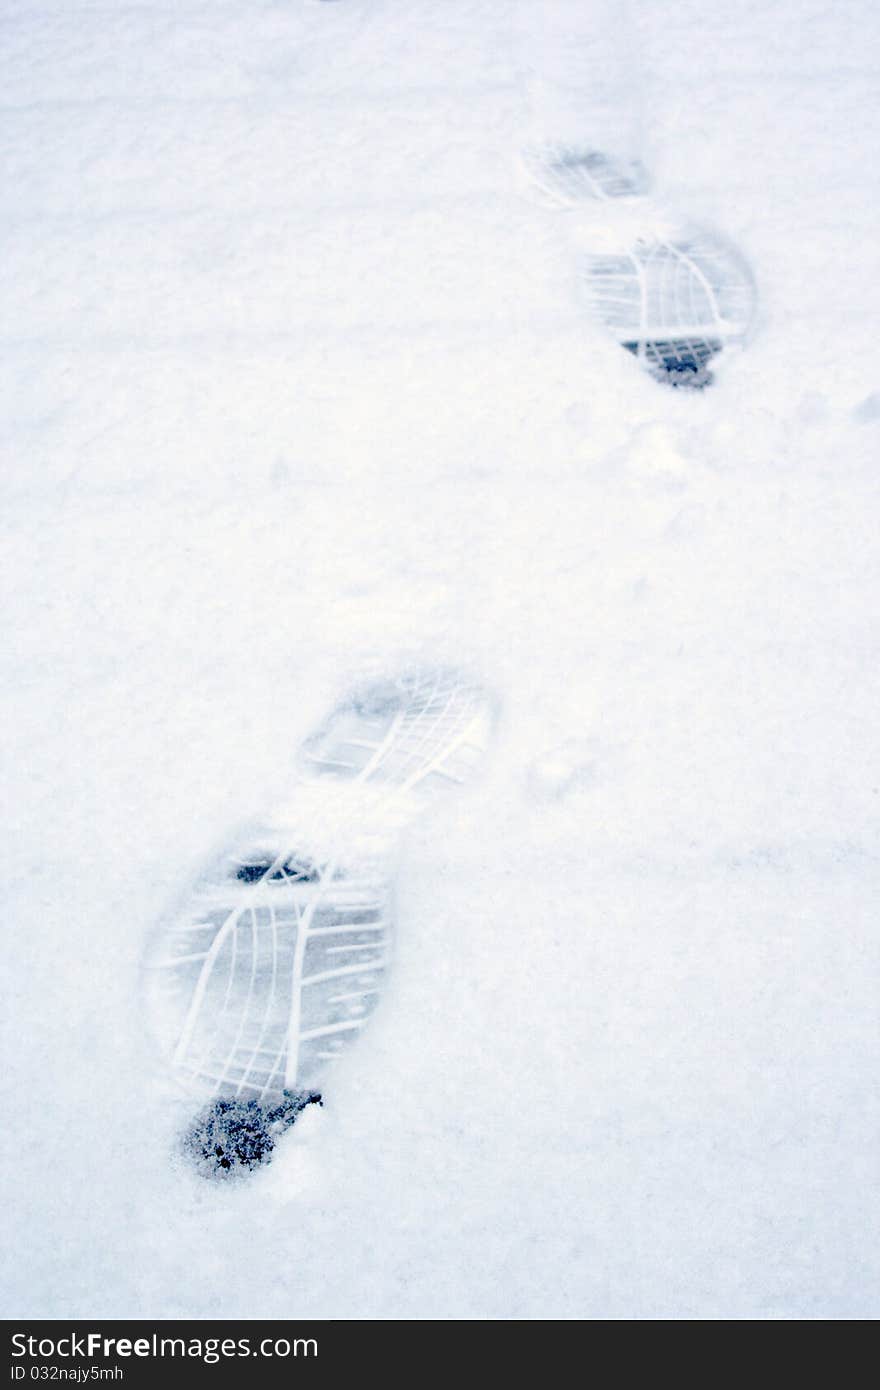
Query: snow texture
{"points": [[300, 389]]}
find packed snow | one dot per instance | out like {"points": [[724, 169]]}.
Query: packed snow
{"points": [[299, 387]]}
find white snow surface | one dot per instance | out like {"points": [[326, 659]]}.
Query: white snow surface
{"points": [[298, 387]]}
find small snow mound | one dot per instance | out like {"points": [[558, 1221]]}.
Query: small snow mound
{"points": [[867, 412], [558, 771]]}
